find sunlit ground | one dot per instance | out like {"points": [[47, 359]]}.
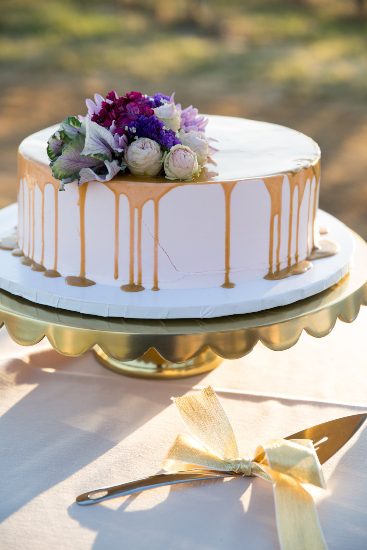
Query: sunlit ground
{"points": [[300, 63]]}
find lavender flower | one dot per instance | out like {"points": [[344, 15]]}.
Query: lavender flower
{"points": [[191, 120]]}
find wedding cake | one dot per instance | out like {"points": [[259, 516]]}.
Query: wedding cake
{"points": [[249, 213]]}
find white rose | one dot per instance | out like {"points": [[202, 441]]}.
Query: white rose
{"points": [[170, 115], [144, 157], [198, 143], [181, 163]]}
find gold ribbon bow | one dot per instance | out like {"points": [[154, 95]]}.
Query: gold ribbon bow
{"points": [[287, 464]]}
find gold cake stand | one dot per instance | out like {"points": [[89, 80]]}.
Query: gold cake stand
{"points": [[179, 348]]}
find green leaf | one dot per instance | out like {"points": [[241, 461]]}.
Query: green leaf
{"points": [[54, 146], [71, 161]]}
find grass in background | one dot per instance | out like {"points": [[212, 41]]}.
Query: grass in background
{"points": [[301, 63]]}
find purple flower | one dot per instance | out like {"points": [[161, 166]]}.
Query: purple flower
{"points": [[94, 106], [158, 99], [153, 128], [119, 112], [191, 120]]}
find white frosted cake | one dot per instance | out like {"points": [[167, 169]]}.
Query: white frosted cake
{"points": [[249, 215], [141, 208]]}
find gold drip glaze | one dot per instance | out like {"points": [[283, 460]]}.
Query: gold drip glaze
{"points": [[316, 173], [23, 211], [274, 187], [33, 221], [18, 253], [43, 228], [140, 260], [323, 249], [138, 194], [35, 174], [227, 188], [26, 261], [117, 235], [309, 247], [132, 286], [37, 267], [29, 221], [292, 186], [295, 269], [53, 273], [301, 185], [81, 280], [156, 244]]}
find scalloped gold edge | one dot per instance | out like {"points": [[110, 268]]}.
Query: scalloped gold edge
{"points": [[177, 348]]}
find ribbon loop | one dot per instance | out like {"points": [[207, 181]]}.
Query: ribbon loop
{"points": [[285, 463]]}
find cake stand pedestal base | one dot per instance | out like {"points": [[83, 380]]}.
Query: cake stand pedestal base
{"points": [[153, 365]]}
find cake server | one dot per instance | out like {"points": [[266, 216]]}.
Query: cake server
{"points": [[327, 437]]}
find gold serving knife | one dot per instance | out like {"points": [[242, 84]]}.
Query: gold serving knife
{"points": [[327, 437]]}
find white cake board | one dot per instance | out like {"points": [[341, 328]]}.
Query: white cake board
{"points": [[107, 301]]}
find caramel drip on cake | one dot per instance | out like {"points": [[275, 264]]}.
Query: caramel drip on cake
{"points": [[274, 187], [37, 266], [33, 220], [297, 181], [53, 273], [323, 249], [309, 221], [26, 260], [132, 286], [32, 175], [138, 195], [140, 260], [23, 211], [43, 228], [301, 185], [81, 280], [296, 269], [292, 186], [227, 188], [156, 244], [117, 235], [316, 173]]}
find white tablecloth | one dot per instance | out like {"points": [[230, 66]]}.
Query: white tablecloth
{"points": [[69, 425]]}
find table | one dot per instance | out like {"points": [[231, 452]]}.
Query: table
{"points": [[68, 425]]}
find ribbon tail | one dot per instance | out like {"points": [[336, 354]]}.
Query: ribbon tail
{"points": [[296, 516]]}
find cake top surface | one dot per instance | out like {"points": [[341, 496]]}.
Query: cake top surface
{"points": [[247, 149]]}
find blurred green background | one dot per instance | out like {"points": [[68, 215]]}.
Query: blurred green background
{"points": [[301, 63]]}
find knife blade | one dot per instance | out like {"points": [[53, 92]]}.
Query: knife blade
{"points": [[331, 436]]}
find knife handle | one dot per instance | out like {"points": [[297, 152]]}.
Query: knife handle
{"points": [[157, 480]]}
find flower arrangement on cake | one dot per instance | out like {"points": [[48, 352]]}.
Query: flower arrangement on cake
{"points": [[147, 135]]}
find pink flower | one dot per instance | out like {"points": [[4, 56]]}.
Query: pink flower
{"points": [[181, 163]]}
